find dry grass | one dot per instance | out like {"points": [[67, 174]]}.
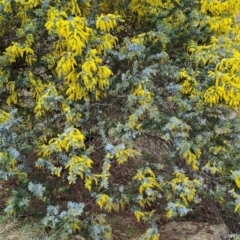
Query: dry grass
{"points": [[124, 227], [20, 230]]}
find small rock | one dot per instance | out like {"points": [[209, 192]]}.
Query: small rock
{"points": [[194, 231]]}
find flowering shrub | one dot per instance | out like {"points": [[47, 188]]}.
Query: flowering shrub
{"points": [[82, 82]]}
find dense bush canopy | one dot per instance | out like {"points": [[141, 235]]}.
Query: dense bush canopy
{"points": [[86, 84]]}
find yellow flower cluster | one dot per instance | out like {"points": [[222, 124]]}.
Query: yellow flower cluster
{"points": [[191, 158], [29, 4], [213, 167], [143, 94], [146, 8], [222, 19], [74, 35], [227, 85], [71, 137], [237, 199], [107, 22], [13, 97], [102, 200], [218, 7], [148, 182], [106, 202], [78, 165], [4, 116], [189, 84], [188, 191], [123, 155], [15, 50], [143, 215]]}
